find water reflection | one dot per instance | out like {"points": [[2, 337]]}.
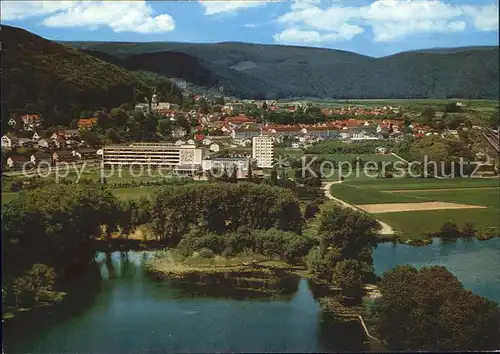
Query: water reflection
{"points": [[120, 308]]}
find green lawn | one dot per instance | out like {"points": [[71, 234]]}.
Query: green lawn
{"points": [[121, 193], [8, 196], [418, 224], [350, 157], [415, 225], [360, 195], [424, 183]]}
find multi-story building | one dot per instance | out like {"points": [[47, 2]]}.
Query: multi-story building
{"points": [[263, 151], [155, 154]]}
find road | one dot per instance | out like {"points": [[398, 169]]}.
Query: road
{"points": [[386, 229]]}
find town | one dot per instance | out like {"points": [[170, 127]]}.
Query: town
{"points": [[214, 132]]}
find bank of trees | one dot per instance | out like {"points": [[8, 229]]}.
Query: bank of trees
{"points": [[223, 207], [272, 243], [429, 309], [344, 255], [51, 226]]}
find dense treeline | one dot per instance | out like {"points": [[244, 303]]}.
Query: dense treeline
{"points": [[40, 76], [272, 243], [270, 71], [53, 224], [223, 207], [47, 233], [344, 255], [429, 310]]}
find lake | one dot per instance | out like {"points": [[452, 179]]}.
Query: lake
{"points": [[117, 308], [475, 263], [128, 311]]}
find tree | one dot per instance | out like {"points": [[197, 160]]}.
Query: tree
{"points": [[249, 171], [164, 127], [428, 112], [344, 235], [274, 177], [90, 137], [347, 275], [119, 116], [311, 210], [204, 108], [430, 310], [234, 175], [494, 119], [449, 231], [468, 229], [34, 286]]}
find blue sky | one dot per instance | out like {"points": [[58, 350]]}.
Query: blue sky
{"points": [[370, 27]]}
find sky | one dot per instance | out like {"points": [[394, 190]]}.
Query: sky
{"points": [[369, 27]]}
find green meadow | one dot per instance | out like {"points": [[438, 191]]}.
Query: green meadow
{"points": [[418, 225]]}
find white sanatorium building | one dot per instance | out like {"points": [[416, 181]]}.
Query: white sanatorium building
{"points": [[152, 153], [263, 151]]}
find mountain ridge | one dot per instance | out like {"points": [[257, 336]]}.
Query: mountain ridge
{"points": [[276, 71], [85, 44]]}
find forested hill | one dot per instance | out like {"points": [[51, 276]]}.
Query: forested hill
{"points": [[274, 71], [42, 76]]}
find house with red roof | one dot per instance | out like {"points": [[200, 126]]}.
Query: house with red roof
{"points": [[31, 121]]}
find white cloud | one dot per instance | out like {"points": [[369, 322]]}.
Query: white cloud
{"points": [[295, 35], [229, 6], [309, 22], [18, 10], [484, 18], [120, 16]]}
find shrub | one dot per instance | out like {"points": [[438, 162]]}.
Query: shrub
{"points": [[468, 229], [449, 231], [311, 210]]}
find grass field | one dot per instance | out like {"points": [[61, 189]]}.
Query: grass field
{"points": [[121, 193], [357, 194], [351, 157], [418, 224], [424, 183]]}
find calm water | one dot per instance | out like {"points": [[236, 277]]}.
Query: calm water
{"points": [[475, 263], [117, 309], [126, 311]]}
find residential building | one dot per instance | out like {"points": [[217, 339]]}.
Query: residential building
{"points": [[6, 142], [31, 121], [86, 123], [24, 142], [164, 154], [16, 161], [228, 164], [246, 133], [35, 137], [214, 147], [12, 123], [63, 156], [43, 143], [263, 151]]}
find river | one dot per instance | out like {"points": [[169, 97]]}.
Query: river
{"points": [[119, 309]]}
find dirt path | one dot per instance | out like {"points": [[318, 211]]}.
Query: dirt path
{"points": [[386, 229]]}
